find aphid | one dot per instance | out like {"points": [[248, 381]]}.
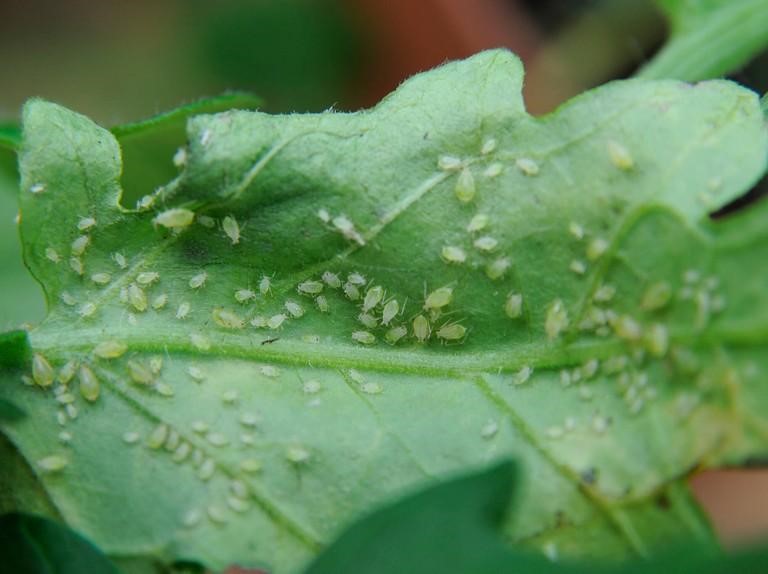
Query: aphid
{"points": [[120, 260], [67, 372], [80, 244], [656, 296], [156, 364], [368, 320], [528, 166], [206, 221], [147, 277], [322, 303], [86, 223], [200, 427], [89, 384], [265, 285], [249, 419], [391, 308], [276, 321], [356, 376], [478, 223], [52, 255], [312, 339], [180, 157], [356, 278], [217, 439], [449, 163], [259, 321], [620, 156], [596, 248], [493, 170], [160, 301], [101, 278], [421, 328], [312, 387], [498, 268], [207, 469], [371, 388], [198, 281], [76, 265], [294, 309], [37, 188], [200, 342], [52, 463], [364, 337], [181, 453], [182, 311], [227, 319], [310, 287], [67, 298], [489, 429], [344, 226], [556, 320], [485, 243], [269, 371], [578, 267], [604, 293], [331, 279], [65, 437], [86, 310], [244, 295], [452, 254], [110, 349], [229, 397], [164, 389], [71, 411], [250, 465], [439, 298], [323, 215], [373, 297], [175, 218], [395, 334], [451, 332], [465, 186], [238, 504], [131, 437], [351, 291], [297, 455], [626, 328], [137, 298], [489, 146], [523, 375], [555, 432], [576, 230], [42, 372], [231, 229], [196, 373], [140, 373], [656, 339], [600, 424], [173, 441]]}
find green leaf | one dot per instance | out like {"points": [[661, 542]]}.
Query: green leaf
{"points": [[274, 439], [35, 545], [10, 136], [709, 38], [455, 527]]}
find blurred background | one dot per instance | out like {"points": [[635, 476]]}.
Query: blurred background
{"points": [[123, 60]]}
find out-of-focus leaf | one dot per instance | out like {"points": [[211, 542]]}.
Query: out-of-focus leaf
{"points": [[709, 38]]}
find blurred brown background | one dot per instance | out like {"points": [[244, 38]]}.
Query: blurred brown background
{"points": [[119, 61]]}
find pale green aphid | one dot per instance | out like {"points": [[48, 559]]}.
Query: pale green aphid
{"points": [[523, 375], [160, 301], [452, 332], [485, 243], [620, 156], [312, 387], [656, 296], [53, 463], [356, 278], [347, 229], [322, 304], [120, 260], [227, 319], [557, 319], [452, 254], [421, 328], [371, 388], [76, 265], [89, 384], [465, 186], [86, 223], [373, 297], [157, 437], [498, 268], [478, 223], [351, 291], [52, 255], [110, 349], [331, 279], [80, 244], [528, 166], [198, 280], [182, 311], [596, 248], [276, 321], [175, 218], [231, 229], [42, 372], [391, 309], [493, 170], [297, 455], [310, 287], [368, 320], [67, 372], [449, 163], [87, 310], [269, 371], [364, 337], [244, 295], [265, 285], [140, 373], [395, 334], [101, 278], [439, 298], [137, 298], [147, 277], [294, 309], [656, 339], [206, 221]]}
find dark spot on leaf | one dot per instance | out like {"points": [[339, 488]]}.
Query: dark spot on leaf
{"points": [[663, 502], [589, 476], [195, 251]]}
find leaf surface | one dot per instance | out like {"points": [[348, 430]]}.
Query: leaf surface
{"points": [[635, 354]]}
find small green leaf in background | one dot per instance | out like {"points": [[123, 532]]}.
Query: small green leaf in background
{"points": [[34, 545], [709, 38], [455, 528]]}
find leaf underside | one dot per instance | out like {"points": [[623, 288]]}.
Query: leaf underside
{"points": [[634, 355]]}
